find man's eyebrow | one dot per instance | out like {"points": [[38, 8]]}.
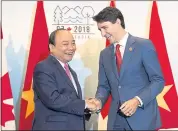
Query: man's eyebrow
{"points": [[65, 41], [68, 41], [104, 26]]}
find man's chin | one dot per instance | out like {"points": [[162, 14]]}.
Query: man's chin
{"points": [[69, 59], [111, 41]]}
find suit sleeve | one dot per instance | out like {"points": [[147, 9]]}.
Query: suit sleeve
{"points": [[45, 87], [153, 69], [103, 90]]}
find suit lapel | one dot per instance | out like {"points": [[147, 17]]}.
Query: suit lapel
{"points": [[113, 61], [62, 71], [76, 82], [129, 49]]}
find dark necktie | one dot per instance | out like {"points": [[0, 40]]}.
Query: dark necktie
{"points": [[118, 57], [67, 70], [118, 63]]}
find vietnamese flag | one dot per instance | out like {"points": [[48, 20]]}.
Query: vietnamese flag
{"points": [[167, 100], [38, 51]]}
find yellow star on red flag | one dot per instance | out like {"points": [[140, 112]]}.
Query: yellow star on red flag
{"points": [[160, 98], [28, 96]]}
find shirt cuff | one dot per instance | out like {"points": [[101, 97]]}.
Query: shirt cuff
{"points": [[86, 105], [141, 103], [100, 103]]}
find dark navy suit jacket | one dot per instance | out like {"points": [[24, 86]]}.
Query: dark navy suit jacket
{"points": [[57, 104]]}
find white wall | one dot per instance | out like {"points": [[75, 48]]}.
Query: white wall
{"points": [[17, 24]]}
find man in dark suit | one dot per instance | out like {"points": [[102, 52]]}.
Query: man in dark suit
{"points": [[129, 70], [57, 92]]}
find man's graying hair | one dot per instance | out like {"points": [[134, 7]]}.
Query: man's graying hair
{"points": [[109, 14], [53, 35]]}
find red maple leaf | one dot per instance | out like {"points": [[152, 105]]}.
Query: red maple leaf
{"points": [[7, 114], [69, 29]]}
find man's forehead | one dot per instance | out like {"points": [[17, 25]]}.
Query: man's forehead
{"points": [[64, 34], [101, 24], [61, 32]]}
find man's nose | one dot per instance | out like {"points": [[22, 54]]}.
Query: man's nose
{"points": [[71, 46], [103, 33]]}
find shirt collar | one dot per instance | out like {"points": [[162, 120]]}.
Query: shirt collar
{"points": [[62, 64], [123, 41]]}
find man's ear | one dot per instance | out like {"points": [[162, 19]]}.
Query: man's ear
{"points": [[118, 21], [51, 46]]}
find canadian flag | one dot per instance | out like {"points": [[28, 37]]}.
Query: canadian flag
{"points": [[7, 113]]}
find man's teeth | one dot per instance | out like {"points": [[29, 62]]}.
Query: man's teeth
{"points": [[69, 53]]}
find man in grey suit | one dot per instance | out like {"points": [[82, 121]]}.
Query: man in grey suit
{"points": [[129, 70], [57, 92]]}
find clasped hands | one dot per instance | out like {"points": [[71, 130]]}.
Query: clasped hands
{"points": [[93, 104]]}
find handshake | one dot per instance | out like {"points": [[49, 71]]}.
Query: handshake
{"points": [[93, 105]]}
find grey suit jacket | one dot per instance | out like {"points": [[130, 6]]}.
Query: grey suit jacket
{"points": [[57, 105], [140, 75]]}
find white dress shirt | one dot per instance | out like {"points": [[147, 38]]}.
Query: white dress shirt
{"points": [[122, 44]]}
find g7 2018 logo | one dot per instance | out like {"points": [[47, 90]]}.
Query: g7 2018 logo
{"points": [[78, 20]]}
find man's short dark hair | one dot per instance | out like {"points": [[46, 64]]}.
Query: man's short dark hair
{"points": [[109, 14]]}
